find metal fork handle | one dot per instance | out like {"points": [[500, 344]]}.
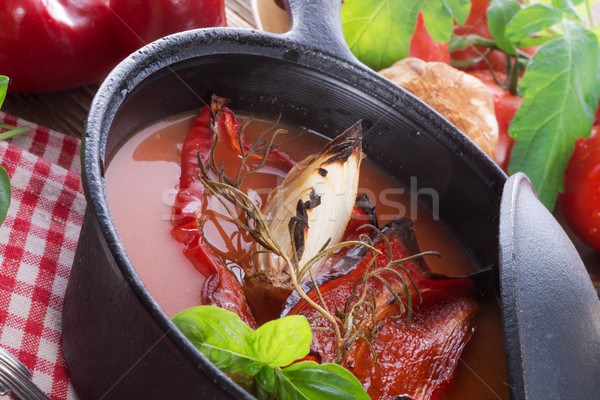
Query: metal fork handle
{"points": [[15, 379]]}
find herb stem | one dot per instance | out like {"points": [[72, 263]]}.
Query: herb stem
{"points": [[512, 80], [12, 131], [313, 304], [459, 42]]}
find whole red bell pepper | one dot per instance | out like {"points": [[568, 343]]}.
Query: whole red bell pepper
{"points": [[60, 44]]}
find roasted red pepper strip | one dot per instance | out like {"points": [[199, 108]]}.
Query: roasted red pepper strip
{"points": [[413, 361], [60, 44], [229, 128], [221, 287], [198, 141], [420, 360]]}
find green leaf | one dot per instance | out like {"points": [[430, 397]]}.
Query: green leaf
{"points": [[460, 9], [265, 380], [233, 347], [561, 89], [537, 40], [3, 88], [282, 341], [4, 194], [438, 20], [567, 7], [309, 380], [596, 32], [499, 13], [12, 131], [222, 336], [530, 20], [439, 17], [379, 31]]}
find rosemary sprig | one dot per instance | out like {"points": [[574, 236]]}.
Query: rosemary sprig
{"points": [[357, 319]]}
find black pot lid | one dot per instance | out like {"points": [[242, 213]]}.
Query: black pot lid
{"points": [[551, 312]]}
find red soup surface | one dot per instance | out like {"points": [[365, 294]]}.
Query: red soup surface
{"points": [[141, 183]]}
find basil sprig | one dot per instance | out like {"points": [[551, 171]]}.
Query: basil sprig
{"points": [[266, 355]]}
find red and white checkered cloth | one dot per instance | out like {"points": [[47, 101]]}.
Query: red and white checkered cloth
{"points": [[37, 246]]}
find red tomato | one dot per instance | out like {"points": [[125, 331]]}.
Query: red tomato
{"points": [[505, 105], [423, 46], [580, 203]]}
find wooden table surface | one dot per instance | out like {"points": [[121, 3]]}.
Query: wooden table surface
{"points": [[67, 111]]}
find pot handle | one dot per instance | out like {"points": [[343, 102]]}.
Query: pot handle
{"points": [[317, 24], [550, 309]]}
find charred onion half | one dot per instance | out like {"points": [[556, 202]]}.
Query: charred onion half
{"points": [[312, 208]]}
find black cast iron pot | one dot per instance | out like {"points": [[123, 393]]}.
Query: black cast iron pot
{"points": [[118, 343]]}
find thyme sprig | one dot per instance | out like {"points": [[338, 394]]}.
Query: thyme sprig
{"points": [[357, 318]]}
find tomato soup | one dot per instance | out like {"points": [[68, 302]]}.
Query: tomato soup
{"points": [[141, 182]]}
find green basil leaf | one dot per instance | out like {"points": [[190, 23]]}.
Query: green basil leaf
{"points": [[282, 341], [3, 88], [530, 20], [379, 31], [244, 380], [222, 336], [567, 7], [438, 20], [309, 380], [537, 40], [560, 94], [261, 394], [499, 13], [596, 32], [4, 194], [265, 381], [439, 17], [460, 9]]}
